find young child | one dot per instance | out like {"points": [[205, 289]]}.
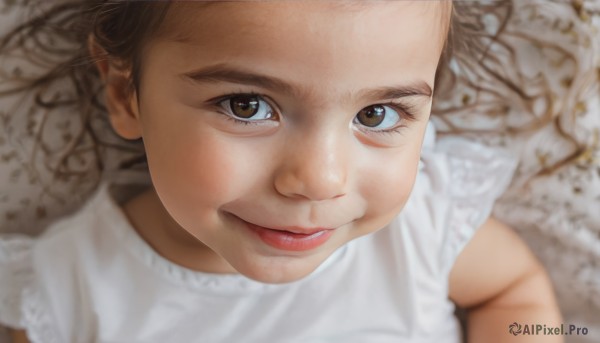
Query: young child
{"points": [[292, 196]]}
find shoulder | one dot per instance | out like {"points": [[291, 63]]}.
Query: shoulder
{"points": [[456, 187], [64, 250], [45, 275]]}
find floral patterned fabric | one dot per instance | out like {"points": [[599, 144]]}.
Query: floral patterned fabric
{"points": [[552, 49], [557, 213]]}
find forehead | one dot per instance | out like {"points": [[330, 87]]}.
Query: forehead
{"points": [[322, 45], [182, 16]]}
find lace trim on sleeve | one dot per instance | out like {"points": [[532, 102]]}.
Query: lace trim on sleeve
{"points": [[477, 176], [15, 275], [36, 318], [20, 306]]}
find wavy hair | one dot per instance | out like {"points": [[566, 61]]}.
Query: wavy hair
{"points": [[64, 83]]}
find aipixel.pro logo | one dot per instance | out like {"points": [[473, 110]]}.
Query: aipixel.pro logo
{"points": [[516, 329]]}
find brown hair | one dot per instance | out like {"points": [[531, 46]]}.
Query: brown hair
{"points": [[56, 41], [55, 45], [495, 83]]}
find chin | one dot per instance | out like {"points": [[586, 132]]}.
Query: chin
{"points": [[280, 270]]}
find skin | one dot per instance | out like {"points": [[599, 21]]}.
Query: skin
{"points": [[311, 164]]}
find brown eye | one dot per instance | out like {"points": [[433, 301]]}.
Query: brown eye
{"points": [[378, 118], [244, 106], [371, 116], [247, 108]]}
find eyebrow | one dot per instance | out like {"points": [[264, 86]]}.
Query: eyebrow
{"points": [[223, 73]]}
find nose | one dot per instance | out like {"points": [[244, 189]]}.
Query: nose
{"points": [[314, 167]]}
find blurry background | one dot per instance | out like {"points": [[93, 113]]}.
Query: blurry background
{"points": [[537, 93]]}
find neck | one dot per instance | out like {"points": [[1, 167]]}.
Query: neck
{"points": [[154, 225]]}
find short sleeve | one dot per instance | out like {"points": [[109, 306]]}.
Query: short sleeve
{"points": [[463, 180], [21, 304], [15, 276]]}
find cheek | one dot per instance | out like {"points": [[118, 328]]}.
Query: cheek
{"points": [[390, 183], [191, 165], [196, 172]]}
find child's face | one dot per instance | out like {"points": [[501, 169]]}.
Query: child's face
{"points": [[316, 141]]}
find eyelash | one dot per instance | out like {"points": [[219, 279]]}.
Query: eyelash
{"points": [[406, 111], [220, 99]]}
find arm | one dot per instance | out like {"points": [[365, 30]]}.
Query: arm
{"points": [[499, 281], [18, 336]]}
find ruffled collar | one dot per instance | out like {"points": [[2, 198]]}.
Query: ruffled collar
{"points": [[133, 243]]}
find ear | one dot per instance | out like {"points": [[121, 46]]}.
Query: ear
{"points": [[120, 99]]}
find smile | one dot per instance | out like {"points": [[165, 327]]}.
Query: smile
{"points": [[296, 239]]}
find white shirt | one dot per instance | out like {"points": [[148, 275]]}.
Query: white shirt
{"points": [[91, 278]]}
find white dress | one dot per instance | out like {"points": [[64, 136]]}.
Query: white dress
{"points": [[91, 278]]}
